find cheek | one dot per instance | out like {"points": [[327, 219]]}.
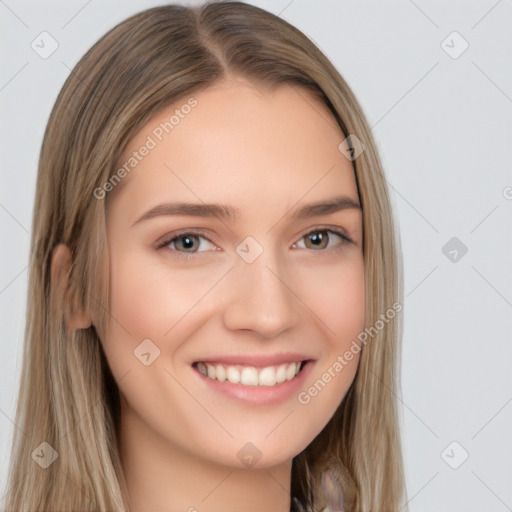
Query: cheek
{"points": [[145, 303], [154, 301], [337, 299], [149, 300], [346, 313], [336, 296]]}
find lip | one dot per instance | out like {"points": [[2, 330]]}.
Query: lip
{"points": [[257, 360], [259, 395]]}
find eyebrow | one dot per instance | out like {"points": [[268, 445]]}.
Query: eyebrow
{"points": [[224, 211]]}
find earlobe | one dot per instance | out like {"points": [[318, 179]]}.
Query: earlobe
{"points": [[61, 264]]}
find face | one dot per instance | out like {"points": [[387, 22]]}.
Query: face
{"points": [[248, 292]]}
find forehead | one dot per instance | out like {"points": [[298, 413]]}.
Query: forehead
{"points": [[238, 142]]}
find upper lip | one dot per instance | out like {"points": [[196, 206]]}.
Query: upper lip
{"points": [[256, 359]]}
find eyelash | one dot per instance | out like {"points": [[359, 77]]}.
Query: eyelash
{"points": [[186, 255]]}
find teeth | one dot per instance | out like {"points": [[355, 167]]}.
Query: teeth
{"points": [[281, 373], [232, 374], [290, 372], [267, 376], [202, 368], [249, 375], [220, 373]]}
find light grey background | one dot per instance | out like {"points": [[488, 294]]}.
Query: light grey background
{"points": [[444, 130]]}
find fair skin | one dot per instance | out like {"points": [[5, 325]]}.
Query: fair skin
{"points": [[267, 153]]}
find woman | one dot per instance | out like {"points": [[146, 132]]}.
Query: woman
{"points": [[214, 284]]}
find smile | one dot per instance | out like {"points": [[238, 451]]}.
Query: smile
{"points": [[249, 375]]}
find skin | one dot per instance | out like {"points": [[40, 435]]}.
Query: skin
{"points": [[267, 153]]}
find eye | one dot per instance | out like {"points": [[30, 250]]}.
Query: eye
{"points": [[320, 238], [186, 241]]}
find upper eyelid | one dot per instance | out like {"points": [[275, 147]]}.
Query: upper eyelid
{"points": [[167, 239], [337, 230]]}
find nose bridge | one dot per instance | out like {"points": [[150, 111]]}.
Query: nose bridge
{"points": [[260, 296]]}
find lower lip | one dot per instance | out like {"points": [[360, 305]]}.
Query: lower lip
{"points": [[259, 395]]}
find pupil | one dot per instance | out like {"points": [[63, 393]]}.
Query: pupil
{"points": [[317, 238], [188, 242]]}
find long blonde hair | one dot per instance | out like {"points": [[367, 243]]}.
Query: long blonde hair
{"points": [[68, 397]]}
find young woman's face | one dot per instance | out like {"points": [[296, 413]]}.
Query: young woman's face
{"points": [[272, 284]]}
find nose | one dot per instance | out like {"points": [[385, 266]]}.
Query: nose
{"points": [[260, 298]]}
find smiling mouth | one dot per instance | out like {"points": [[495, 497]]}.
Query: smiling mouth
{"points": [[249, 375]]}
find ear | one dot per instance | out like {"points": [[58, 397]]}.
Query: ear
{"points": [[61, 264]]}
